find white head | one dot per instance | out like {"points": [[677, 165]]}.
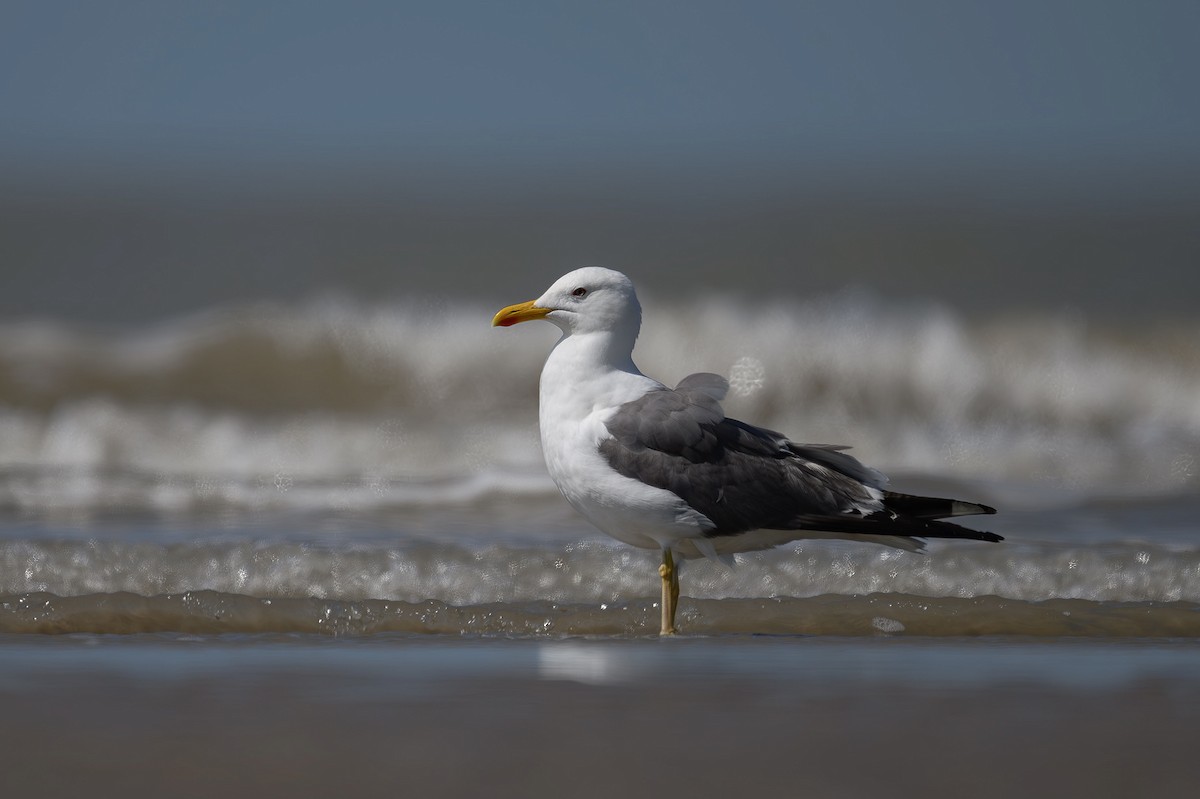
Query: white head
{"points": [[588, 300]]}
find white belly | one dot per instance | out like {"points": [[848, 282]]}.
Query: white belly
{"points": [[626, 509]]}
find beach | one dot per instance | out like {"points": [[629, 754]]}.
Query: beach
{"points": [[303, 716]]}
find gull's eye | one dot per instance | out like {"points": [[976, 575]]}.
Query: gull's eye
{"points": [[579, 292]]}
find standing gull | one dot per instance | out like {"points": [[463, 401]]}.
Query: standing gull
{"points": [[663, 468]]}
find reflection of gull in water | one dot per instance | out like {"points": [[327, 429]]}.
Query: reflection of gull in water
{"points": [[664, 468], [589, 664]]}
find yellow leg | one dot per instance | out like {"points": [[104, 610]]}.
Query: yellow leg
{"points": [[670, 591]]}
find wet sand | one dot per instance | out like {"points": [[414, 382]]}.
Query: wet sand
{"points": [[299, 716]]}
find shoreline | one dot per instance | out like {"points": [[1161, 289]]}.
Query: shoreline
{"points": [[431, 662]]}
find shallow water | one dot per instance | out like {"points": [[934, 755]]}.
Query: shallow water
{"points": [[401, 664], [1129, 569], [310, 715]]}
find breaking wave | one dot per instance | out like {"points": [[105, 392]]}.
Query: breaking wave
{"points": [[340, 404]]}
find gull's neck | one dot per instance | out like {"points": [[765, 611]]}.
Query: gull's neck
{"points": [[601, 351], [586, 372]]}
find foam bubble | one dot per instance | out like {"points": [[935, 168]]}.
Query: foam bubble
{"points": [[886, 625], [747, 376]]}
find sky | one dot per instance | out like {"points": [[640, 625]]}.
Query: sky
{"points": [[189, 88], [160, 157]]}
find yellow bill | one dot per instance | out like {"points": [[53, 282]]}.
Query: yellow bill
{"points": [[522, 312]]}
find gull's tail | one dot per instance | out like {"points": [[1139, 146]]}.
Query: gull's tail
{"points": [[916, 517]]}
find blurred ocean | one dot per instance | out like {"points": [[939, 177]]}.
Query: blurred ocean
{"points": [[347, 465], [338, 404]]}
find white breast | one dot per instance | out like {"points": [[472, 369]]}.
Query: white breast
{"points": [[575, 402]]}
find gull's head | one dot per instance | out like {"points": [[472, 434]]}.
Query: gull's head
{"points": [[588, 300]]}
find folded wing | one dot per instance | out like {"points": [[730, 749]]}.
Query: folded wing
{"points": [[743, 477]]}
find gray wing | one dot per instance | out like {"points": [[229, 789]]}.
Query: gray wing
{"points": [[746, 478]]}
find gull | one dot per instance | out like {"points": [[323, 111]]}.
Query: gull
{"points": [[664, 468]]}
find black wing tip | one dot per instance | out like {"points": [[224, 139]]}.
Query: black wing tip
{"points": [[883, 523], [960, 534], [934, 507], [936, 528]]}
